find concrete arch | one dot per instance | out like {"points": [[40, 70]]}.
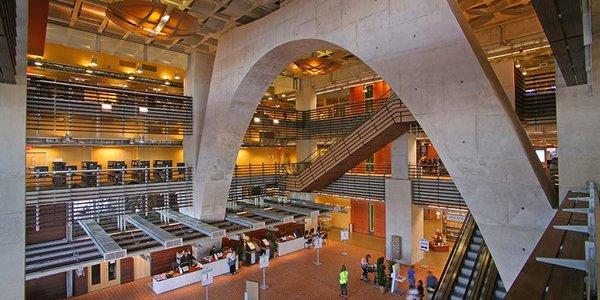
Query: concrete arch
{"points": [[421, 50]]}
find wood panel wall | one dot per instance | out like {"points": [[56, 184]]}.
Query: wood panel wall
{"points": [[48, 287], [379, 219], [359, 216], [231, 243], [80, 284], [258, 234], [52, 223], [160, 261], [127, 270], [289, 228]]}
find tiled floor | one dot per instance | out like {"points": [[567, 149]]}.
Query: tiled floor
{"points": [[294, 276]]}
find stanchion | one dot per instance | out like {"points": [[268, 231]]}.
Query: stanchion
{"points": [[264, 285], [344, 253], [318, 263]]}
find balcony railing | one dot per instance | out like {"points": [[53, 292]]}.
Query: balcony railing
{"points": [[55, 196], [64, 107], [431, 185]]}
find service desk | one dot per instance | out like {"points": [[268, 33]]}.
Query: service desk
{"points": [[160, 284], [290, 246], [219, 267]]}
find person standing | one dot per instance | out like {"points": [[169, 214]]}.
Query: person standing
{"points": [[421, 289], [231, 260], [411, 276], [344, 281]]}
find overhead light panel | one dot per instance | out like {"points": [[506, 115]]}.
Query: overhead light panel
{"points": [[93, 62], [106, 106]]}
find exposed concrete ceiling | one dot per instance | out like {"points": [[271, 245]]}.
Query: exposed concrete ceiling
{"points": [[216, 17]]}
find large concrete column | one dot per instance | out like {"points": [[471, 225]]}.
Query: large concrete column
{"points": [[12, 170], [306, 99], [402, 218], [196, 85], [578, 119]]}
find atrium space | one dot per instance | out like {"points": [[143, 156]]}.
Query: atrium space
{"points": [[299, 149]]}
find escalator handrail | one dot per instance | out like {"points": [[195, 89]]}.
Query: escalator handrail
{"points": [[455, 259]]}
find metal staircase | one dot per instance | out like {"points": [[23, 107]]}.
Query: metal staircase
{"points": [[388, 123], [470, 272]]}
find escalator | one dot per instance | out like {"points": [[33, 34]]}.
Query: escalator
{"points": [[470, 272], [388, 123]]}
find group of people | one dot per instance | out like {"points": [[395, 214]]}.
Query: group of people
{"points": [[416, 289]]}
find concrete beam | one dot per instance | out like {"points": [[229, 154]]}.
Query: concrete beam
{"points": [[428, 54], [160, 235]]}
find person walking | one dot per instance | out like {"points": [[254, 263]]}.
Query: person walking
{"points": [[411, 276], [364, 265], [344, 281], [432, 283], [421, 289]]}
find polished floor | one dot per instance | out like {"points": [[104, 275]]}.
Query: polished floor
{"points": [[294, 276]]}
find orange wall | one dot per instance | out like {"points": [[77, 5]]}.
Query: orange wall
{"points": [[360, 216], [266, 155], [379, 212]]}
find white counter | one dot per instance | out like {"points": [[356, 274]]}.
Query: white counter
{"points": [[172, 283], [219, 267], [290, 246]]}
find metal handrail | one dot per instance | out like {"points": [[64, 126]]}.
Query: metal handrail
{"points": [[455, 259]]}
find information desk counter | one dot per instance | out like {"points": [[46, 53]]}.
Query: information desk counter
{"points": [[161, 284], [290, 246]]}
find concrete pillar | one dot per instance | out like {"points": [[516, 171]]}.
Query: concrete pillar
{"points": [[402, 218], [196, 84], [306, 99], [12, 170], [578, 120], [505, 71]]}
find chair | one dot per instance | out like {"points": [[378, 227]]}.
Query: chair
{"points": [[396, 277]]}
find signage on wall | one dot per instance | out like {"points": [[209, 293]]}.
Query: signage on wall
{"points": [[344, 234], [424, 245], [264, 261], [459, 218]]}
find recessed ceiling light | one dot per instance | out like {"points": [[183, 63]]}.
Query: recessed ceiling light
{"points": [[106, 106]]}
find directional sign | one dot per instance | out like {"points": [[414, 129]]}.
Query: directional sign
{"points": [[264, 261], [344, 234], [207, 277], [424, 245]]}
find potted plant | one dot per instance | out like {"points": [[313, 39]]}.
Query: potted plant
{"points": [[381, 280], [240, 251]]}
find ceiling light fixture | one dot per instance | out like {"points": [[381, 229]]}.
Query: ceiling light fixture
{"points": [[275, 121], [256, 120], [106, 106], [270, 98], [143, 109], [282, 95], [518, 64], [93, 62], [38, 62], [167, 82], [138, 69], [130, 77], [177, 76], [88, 70], [524, 72]]}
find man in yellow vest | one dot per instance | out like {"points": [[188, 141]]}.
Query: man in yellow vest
{"points": [[344, 281]]}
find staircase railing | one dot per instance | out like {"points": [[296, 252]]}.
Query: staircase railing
{"points": [[377, 105]]}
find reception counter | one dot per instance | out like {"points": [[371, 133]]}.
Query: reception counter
{"points": [[161, 284], [290, 246]]}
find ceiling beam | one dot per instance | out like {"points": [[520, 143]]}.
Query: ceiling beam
{"points": [[75, 12]]}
